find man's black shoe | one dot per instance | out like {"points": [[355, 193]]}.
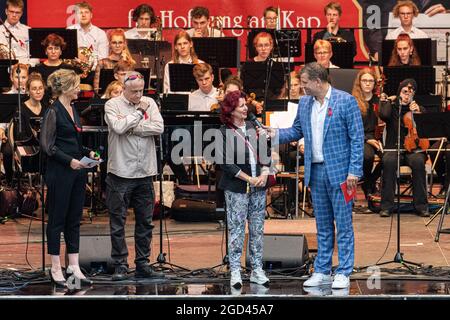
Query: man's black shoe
{"points": [[120, 273], [147, 271], [385, 213]]}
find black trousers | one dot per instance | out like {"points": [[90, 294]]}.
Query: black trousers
{"points": [[416, 161], [122, 193], [370, 174], [65, 201]]}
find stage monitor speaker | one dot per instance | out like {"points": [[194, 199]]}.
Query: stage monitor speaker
{"points": [[282, 251], [95, 253]]}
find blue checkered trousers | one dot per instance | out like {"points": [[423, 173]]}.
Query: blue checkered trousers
{"points": [[343, 149]]}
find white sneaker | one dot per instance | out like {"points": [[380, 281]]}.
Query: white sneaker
{"points": [[340, 281], [258, 276], [235, 280], [317, 279]]}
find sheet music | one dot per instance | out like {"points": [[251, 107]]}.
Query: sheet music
{"points": [[284, 119]]}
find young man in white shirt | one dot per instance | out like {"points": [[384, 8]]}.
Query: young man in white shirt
{"points": [[406, 11], [90, 36], [205, 96], [201, 24], [20, 48]]}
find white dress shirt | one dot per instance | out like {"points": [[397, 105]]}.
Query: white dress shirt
{"points": [[413, 34], [318, 114], [150, 35], [21, 48], [200, 101], [94, 37]]}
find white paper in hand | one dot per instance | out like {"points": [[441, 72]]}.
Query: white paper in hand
{"points": [[90, 163]]}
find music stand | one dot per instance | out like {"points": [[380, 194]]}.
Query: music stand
{"points": [[253, 75], [175, 102], [221, 52], [435, 125], [37, 35], [5, 79], [144, 51], [278, 105], [281, 47], [107, 76], [424, 75], [342, 54], [181, 77], [8, 106], [426, 49], [343, 79]]}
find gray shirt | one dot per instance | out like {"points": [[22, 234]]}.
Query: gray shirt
{"points": [[131, 143]]}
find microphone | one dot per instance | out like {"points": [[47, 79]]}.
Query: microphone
{"points": [[252, 118]]}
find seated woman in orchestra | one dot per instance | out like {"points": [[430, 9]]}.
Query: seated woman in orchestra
{"points": [[118, 50], [145, 18], [18, 78], [323, 51], [31, 108], [183, 52], [113, 90], [263, 44], [364, 92], [415, 159], [295, 91], [234, 83], [404, 53], [54, 46]]}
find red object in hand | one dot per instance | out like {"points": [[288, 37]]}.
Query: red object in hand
{"points": [[145, 115], [330, 112]]}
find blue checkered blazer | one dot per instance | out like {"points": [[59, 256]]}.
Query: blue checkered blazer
{"points": [[343, 145]]}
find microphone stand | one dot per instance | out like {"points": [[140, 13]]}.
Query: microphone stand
{"points": [[399, 255], [161, 259], [10, 37]]}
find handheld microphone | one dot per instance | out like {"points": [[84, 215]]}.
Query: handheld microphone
{"points": [[252, 118]]}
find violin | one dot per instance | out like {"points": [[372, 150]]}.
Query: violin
{"points": [[412, 140]]}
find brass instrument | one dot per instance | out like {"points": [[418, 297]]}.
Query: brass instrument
{"points": [[85, 61], [336, 39], [4, 52]]}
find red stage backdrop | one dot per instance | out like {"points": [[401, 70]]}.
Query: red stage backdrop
{"points": [[175, 14]]}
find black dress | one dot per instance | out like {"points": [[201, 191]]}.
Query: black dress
{"points": [[61, 142]]}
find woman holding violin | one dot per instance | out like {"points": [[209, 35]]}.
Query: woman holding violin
{"points": [[414, 148]]}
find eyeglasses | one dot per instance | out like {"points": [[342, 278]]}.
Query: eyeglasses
{"points": [[320, 53], [266, 45], [17, 13], [367, 80], [133, 77], [271, 19]]}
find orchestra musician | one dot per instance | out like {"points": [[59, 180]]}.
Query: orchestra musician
{"points": [[406, 11], [323, 51], [201, 24], [333, 32], [183, 52], [145, 18], [263, 44], [364, 88], [270, 17], [205, 96], [404, 53], [389, 113]]}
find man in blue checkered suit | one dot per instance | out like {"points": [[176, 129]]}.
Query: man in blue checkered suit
{"points": [[330, 122]]}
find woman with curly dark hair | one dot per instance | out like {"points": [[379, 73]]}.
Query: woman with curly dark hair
{"points": [[245, 164]]}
